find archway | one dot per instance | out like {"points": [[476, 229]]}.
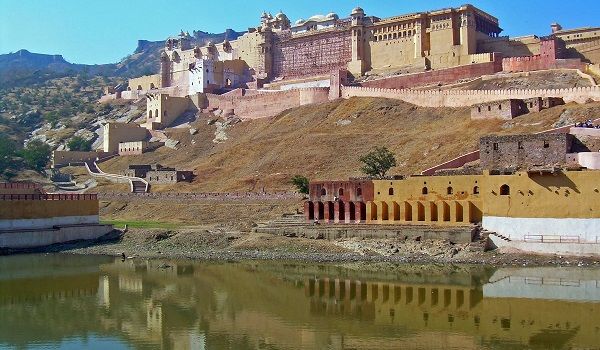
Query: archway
{"points": [[311, 210]]}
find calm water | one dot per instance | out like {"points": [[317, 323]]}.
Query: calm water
{"points": [[71, 302]]}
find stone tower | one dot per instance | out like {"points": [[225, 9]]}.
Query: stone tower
{"points": [[357, 65]]}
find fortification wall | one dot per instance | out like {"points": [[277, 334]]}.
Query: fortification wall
{"points": [[533, 63], [443, 76], [266, 104], [464, 98]]}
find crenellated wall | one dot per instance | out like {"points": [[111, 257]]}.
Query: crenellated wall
{"points": [[464, 98]]}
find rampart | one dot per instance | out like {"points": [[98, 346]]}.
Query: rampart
{"points": [[441, 76], [265, 104], [20, 188], [538, 62], [465, 98]]}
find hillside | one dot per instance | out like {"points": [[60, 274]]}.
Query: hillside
{"points": [[324, 142]]}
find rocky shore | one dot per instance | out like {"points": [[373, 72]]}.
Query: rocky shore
{"points": [[221, 244]]}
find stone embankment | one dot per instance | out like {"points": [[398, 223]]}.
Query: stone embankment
{"points": [[194, 196]]}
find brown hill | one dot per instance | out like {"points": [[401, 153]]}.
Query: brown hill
{"points": [[325, 141]]}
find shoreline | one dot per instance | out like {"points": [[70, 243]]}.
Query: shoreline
{"points": [[220, 245]]}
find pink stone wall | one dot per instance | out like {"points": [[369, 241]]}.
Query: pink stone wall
{"points": [[433, 77]]}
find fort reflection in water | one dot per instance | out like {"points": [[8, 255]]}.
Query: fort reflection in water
{"points": [[53, 299]]}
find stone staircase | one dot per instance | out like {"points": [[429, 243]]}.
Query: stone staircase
{"points": [[499, 236], [136, 184], [286, 220]]}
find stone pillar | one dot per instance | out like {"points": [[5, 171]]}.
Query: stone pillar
{"points": [[347, 212], [307, 210], [328, 211], [336, 212], [316, 205], [358, 211]]}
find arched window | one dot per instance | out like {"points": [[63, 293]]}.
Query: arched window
{"points": [[391, 191], [152, 86], [424, 190], [139, 87], [359, 192], [476, 190], [156, 114], [504, 190], [323, 192], [341, 192], [450, 190], [150, 114]]}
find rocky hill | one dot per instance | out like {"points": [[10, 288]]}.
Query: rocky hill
{"points": [[324, 141]]}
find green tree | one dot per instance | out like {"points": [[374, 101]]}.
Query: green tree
{"points": [[7, 152], [36, 155], [301, 183], [78, 143], [377, 162]]}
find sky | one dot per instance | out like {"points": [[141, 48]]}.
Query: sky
{"points": [[105, 31]]}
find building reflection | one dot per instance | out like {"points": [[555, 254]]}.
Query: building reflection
{"points": [[187, 305]]}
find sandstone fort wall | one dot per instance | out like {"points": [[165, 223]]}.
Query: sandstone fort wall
{"points": [[443, 76], [265, 104], [464, 98]]}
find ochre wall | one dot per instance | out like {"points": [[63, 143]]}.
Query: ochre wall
{"points": [[115, 133], [449, 200], [571, 194], [41, 209]]}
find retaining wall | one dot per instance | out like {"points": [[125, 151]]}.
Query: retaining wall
{"points": [[443, 76], [39, 238], [250, 105]]}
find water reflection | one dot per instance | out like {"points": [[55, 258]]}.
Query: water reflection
{"points": [[53, 300]]}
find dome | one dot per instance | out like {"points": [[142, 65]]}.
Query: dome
{"points": [[280, 15], [300, 21], [317, 18], [332, 15], [357, 10]]}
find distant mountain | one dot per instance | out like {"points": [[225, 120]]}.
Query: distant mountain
{"points": [[23, 67]]}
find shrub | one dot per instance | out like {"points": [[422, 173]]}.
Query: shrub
{"points": [[377, 162], [36, 155], [301, 183]]}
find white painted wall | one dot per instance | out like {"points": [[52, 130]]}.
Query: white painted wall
{"points": [[26, 224], [588, 230], [40, 238]]}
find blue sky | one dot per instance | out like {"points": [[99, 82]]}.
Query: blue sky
{"points": [[104, 31]]}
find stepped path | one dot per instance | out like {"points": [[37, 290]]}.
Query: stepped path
{"points": [[136, 184]]}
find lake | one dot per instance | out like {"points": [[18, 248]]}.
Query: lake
{"points": [[94, 302]]}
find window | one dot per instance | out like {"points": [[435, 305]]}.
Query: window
{"points": [[489, 108], [500, 107], [391, 191], [450, 190], [476, 190], [424, 190], [504, 190], [479, 109], [520, 144], [341, 192], [323, 192], [546, 144], [495, 146], [359, 191]]}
